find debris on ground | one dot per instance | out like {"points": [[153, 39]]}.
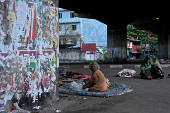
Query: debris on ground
{"points": [[20, 111], [36, 107], [162, 61], [76, 86], [61, 96], [127, 73], [57, 111], [107, 82], [61, 83]]}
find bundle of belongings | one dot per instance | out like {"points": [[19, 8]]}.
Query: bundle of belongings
{"points": [[128, 73]]}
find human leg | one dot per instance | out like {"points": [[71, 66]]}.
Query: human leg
{"points": [[146, 76]]}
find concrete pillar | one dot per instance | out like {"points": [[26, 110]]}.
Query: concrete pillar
{"points": [[168, 46], [29, 60], [116, 44], [163, 43]]}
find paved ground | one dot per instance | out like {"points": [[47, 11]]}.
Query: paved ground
{"points": [[149, 96]]}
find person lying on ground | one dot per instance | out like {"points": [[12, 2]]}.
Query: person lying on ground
{"points": [[65, 73], [97, 82], [156, 69], [145, 69]]}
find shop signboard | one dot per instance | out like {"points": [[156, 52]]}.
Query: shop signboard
{"points": [[89, 47]]}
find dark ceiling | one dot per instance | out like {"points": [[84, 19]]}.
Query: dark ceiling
{"points": [[121, 12]]}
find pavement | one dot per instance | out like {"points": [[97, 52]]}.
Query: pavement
{"points": [[149, 96]]}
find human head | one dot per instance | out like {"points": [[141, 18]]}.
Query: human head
{"points": [[94, 66], [147, 58], [70, 74], [154, 57]]}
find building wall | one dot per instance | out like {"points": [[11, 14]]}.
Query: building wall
{"points": [[66, 17], [28, 49], [71, 55], [64, 25], [92, 30], [92, 56]]}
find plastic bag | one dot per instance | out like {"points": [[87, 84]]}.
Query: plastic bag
{"points": [[75, 86], [107, 82], [127, 73]]}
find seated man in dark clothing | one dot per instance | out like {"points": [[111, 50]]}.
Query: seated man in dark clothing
{"points": [[156, 69], [145, 69], [156, 73]]}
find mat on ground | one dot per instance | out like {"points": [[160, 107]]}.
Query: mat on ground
{"points": [[113, 89]]}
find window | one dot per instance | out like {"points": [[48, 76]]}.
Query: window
{"points": [[73, 27], [60, 28], [60, 15], [73, 14]]}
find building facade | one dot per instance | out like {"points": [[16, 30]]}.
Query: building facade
{"points": [[86, 30], [90, 30]]}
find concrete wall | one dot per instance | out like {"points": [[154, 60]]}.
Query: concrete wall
{"points": [[92, 56], [116, 52], [66, 21], [64, 25], [66, 16], [94, 31], [163, 43], [71, 55], [117, 45], [28, 49]]}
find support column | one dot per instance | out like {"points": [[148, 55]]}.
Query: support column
{"points": [[169, 47], [163, 43], [117, 44]]}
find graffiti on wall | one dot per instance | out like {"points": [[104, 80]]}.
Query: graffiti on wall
{"points": [[71, 55], [116, 52], [28, 48]]}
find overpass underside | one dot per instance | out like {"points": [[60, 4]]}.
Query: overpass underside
{"points": [[117, 14]]}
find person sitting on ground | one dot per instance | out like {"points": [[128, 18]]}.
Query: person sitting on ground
{"points": [[65, 73], [156, 69], [145, 69], [97, 82]]}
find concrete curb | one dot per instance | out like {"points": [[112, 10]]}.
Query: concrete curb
{"points": [[108, 66]]}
